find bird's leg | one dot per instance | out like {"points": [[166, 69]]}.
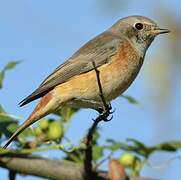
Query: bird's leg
{"points": [[106, 107]]}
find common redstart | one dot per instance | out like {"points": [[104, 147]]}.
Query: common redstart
{"points": [[118, 54]]}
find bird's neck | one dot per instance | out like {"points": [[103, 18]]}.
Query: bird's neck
{"points": [[140, 47]]}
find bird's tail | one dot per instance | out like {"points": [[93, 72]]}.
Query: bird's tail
{"points": [[46, 105], [27, 123]]}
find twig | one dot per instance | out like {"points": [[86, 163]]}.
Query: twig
{"points": [[104, 160], [89, 173], [12, 175]]}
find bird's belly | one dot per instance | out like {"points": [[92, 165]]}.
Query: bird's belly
{"points": [[119, 82], [88, 97], [83, 90]]}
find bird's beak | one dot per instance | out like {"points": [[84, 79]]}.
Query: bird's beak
{"points": [[158, 31]]}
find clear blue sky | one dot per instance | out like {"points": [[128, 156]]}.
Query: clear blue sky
{"points": [[45, 33]]}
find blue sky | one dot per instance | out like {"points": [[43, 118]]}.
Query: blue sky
{"points": [[45, 33]]}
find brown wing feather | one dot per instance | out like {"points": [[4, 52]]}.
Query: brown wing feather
{"points": [[98, 50]]}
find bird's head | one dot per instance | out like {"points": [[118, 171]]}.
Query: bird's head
{"points": [[139, 30]]}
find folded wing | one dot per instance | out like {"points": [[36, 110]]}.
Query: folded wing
{"points": [[99, 50]]}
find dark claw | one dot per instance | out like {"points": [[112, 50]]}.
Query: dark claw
{"points": [[105, 112], [105, 116], [111, 112], [106, 119]]}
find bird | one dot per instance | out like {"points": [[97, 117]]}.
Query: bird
{"points": [[118, 54]]}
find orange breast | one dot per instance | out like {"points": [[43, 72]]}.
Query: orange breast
{"points": [[115, 77]]}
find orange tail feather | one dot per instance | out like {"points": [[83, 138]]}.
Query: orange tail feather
{"points": [[43, 108]]}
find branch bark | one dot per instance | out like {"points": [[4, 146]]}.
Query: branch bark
{"points": [[42, 167], [51, 169]]}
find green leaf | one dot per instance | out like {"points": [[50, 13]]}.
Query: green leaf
{"points": [[12, 127], [114, 146], [8, 66], [55, 131], [138, 144], [1, 78], [2, 109], [5, 117], [169, 146], [130, 99], [97, 152], [7, 122], [25, 135], [11, 65], [3, 128], [77, 155], [28, 132], [67, 112]]}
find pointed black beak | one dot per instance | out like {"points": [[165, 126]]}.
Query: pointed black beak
{"points": [[163, 31], [160, 31]]}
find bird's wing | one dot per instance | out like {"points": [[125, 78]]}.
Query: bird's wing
{"points": [[99, 50]]}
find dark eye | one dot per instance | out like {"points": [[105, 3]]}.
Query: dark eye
{"points": [[139, 26]]}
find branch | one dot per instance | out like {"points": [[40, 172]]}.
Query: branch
{"points": [[42, 167], [12, 175], [89, 173], [51, 169]]}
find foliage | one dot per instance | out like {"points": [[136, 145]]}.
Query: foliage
{"points": [[8, 67], [51, 132]]}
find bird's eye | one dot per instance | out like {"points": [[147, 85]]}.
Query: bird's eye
{"points": [[139, 26]]}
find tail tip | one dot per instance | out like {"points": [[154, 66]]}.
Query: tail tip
{"points": [[6, 145]]}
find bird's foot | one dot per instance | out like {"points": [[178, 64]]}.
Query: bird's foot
{"points": [[105, 112]]}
